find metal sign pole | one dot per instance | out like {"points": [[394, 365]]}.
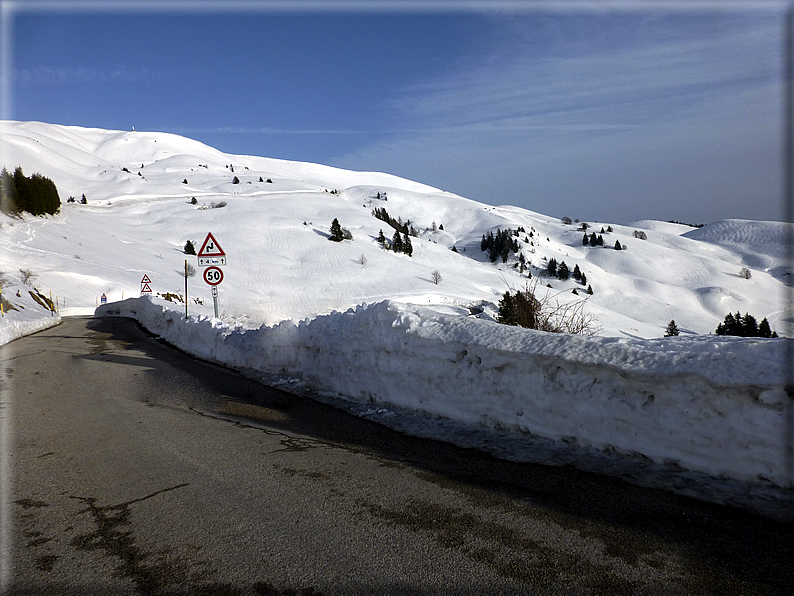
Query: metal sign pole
{"points": [[215, 299], [186, 289]]}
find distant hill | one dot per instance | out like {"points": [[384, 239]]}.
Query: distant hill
{"points": [[149, 193]]}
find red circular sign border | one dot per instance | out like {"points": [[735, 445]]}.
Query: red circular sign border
{"points": [[217, 269]]}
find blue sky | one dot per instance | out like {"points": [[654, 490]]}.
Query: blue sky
{"points": [[663, 110]]}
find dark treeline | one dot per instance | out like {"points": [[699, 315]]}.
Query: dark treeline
{"points": [[500, 244], [744, 326], [397, 224], [36, 195]]}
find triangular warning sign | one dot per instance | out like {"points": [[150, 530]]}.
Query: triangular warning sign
{"points": [[146, 289], [146, 279], [211, 248]]}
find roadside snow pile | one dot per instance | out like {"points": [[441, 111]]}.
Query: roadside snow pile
{"points": [[707, 404], [25, 311]]}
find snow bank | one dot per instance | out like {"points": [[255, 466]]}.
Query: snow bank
{"points": [[14, 329], [22, 315], [710, 404]]}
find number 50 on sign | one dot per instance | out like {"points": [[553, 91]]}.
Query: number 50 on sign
{"points": [[213, 275]]}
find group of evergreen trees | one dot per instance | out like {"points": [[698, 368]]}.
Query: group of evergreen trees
{"points": [[744, 326], [398, 244], [593, 240], [500, 244], [36, 195], [561, 272], [404, 228]]}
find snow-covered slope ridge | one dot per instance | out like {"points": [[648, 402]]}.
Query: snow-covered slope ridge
{"points": [[280, 265]]}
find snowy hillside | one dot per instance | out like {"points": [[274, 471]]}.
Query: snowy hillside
{"points": [[328, 313], [281, 266]]}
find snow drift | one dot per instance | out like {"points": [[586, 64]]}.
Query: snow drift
{"points": [[708, 404]]}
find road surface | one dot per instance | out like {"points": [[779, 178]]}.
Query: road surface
{"points": [[132, 468]]}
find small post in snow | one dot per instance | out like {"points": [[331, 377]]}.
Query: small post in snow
{"points": [[186, 289]]}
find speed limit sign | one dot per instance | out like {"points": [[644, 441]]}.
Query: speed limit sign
{"points": [[213, 275]]}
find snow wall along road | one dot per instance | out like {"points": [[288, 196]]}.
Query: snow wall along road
{"points": [[708, 404]]}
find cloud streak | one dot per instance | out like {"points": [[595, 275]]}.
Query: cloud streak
{"points": [[683, 112], [72, 75]]}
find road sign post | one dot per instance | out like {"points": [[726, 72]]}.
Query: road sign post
{"points": [[214, 276], [211, 252], [212, 257]]}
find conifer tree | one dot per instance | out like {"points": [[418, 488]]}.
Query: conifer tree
{"points": [[407, 247], [552, 267], [396, 242], [749, 326], [8, 194], [24, 200], [507, 310], [585, 239], [672, 329], [336, 231], [763, 329], [381, 238], [577, 274], [562, 271], [617, 245]]}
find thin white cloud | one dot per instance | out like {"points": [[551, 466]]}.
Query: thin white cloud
{"points": [[268, 130], [619, 86], [70, 75], [676, 123]]}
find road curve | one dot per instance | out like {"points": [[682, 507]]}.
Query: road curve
{"points": [[135, 469]]}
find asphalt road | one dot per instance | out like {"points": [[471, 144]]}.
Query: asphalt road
{"points": [[135, 469]]}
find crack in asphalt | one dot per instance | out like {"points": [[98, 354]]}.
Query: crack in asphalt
{"points": [[111, 538]]}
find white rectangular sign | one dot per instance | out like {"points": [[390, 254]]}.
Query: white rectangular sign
{"points": [[207, 261]]}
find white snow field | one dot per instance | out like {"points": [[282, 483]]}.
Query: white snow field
{"points": [[370, 330]]}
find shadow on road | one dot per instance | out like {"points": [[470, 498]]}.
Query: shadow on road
{"points": [[738, 544]]}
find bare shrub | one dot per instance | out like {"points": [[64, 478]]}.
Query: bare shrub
{"points": [[27, 276], [362, 260], [525, 308], [436, 276]]}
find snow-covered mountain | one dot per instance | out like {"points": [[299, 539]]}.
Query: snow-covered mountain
{"points": [[274, 229], [698, 413]]}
